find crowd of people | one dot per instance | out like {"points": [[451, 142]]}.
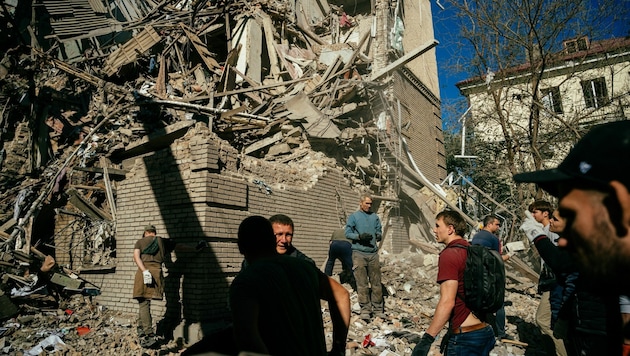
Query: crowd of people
{"points": [[584, 244]]}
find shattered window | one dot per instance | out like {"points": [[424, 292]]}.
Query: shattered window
{"points": [[551, 100], [595, 93], [100, 245]]}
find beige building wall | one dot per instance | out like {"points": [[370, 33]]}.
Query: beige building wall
{"points": [[418, 31], [516, 100]]}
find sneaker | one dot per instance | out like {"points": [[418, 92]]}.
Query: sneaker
{"points": [[505, 338], [148, 341], [365, 316], [381, 315]]}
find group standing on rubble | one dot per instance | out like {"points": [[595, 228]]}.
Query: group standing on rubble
{"points": [[583, 243]]}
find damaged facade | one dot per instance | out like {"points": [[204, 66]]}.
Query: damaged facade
{"points": [[191, 115]]}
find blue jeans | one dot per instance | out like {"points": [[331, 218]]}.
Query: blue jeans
{"points": [[479, 342], [339, 250], [500, 322]]}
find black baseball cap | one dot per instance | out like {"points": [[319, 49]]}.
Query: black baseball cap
{"points": [[601, 156]]}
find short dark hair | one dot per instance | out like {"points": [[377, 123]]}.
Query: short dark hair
{"points": [[489, 219], [255, 235], [282, 220], [541, 205], [451, 217]]}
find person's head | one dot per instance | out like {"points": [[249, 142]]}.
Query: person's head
{"points": [[541, 211], [256, 238], [283, 230], [557, 223], [592, 184], [365, 203], [449, 225], [491, 223], [149, 230]]}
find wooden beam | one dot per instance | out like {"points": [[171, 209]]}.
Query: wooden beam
{"points": [[111, 172], [108, 188], [245, 90], [81, 203], [408, 57], [263, 143]]}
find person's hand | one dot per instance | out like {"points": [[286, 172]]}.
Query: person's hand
{"points": [[365, 236], [146, 275], [422, 348], [531, 227], [201, 245]]}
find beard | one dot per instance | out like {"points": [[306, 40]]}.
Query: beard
{"points": [[601, 257]]}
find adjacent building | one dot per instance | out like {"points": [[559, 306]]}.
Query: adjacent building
{"points": [[584, 84]]}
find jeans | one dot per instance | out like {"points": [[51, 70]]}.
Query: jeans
{"points": [[342, 251], [368, 267], [479, 342], [500, 322]]}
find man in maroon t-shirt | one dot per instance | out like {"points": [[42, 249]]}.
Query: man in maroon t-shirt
{"points": [[467, 334]]}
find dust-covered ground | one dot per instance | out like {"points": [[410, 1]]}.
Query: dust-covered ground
{"points": [[80, 326]]}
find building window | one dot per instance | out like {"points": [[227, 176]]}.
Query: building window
{"points": [[551, 99], [595, 93], [575, 45]]}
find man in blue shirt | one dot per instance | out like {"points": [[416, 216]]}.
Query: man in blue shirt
{"points": [[364, 230], [487, 237]]}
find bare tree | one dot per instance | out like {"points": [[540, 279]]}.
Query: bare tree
{"points": [[509, 48]]}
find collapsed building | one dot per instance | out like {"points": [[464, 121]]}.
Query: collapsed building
{"points": [[192, 115]]}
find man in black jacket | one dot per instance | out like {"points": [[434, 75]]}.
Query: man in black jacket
{"points": [[593, 187], [587, 322]]}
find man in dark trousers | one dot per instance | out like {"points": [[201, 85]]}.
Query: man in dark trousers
{"points": [[364, 229], [340, 249]]}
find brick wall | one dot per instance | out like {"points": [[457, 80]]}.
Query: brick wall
{"points": [[421, 109], [198, 189], [399, 234]]}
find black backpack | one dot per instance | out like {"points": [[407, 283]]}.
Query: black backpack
{"points": [[484, 280]]}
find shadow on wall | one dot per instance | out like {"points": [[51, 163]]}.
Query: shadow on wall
{"points": [[195, 282]]}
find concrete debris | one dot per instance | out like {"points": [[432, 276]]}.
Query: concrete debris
{"points": [[412, 293], [84, 92], [95, 84]]}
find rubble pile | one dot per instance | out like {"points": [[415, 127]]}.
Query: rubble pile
{"points": [[84, 88], [412, 294]]}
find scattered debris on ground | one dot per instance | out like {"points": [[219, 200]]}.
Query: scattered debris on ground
{"points": [[79, 326]]}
